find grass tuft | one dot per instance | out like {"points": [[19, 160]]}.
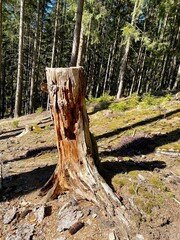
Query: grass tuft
{"points": [[15, 124], [39, 110]]}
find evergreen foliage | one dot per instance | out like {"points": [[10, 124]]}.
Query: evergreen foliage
{"points": [[152, 63]]}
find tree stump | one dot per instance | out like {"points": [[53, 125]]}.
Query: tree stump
{"points": [[78, 165]]}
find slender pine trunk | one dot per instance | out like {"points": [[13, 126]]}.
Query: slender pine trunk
{"points": [[113, 55], [125, 57], [77, 31], [18, 98], [177, 82], [34, 63], [81, 48], [55, 33], [107, 70]]}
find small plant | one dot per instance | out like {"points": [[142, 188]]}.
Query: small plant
{"points": [[148, 100], [168, 97], [133, 100], [105, 98], [157, 182], [39, 110], [171, 195], [47, 126], [120, 106], [100, 103], [37, 128], [15, 124]]}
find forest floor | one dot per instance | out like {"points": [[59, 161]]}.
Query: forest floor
{"points": [[139, 147]]}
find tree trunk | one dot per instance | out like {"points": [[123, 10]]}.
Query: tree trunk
{"points": [[18, 99], [34, 63], [142, 70], [123, 69], [176, 84], [125, 56], [77, 31], [78, 164], [107, 70], [81, 48], [55, 33], [113, 55]]}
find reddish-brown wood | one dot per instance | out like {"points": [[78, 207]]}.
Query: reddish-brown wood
{"points": [[78, 165]]}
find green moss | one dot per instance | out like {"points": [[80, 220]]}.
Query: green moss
{"points": [[119, 181], [133, 174], [174, 146], [146, 206], [133, 188], [37, 129], [146, 200], [145, 193], [157, 182]]}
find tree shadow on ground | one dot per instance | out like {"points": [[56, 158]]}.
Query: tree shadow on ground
{"points": [[110, 169], [44, 121], [143, 122], [131, 146], [24, 183], [20, 184], [11, 133], [34, 153], [99, 106]]}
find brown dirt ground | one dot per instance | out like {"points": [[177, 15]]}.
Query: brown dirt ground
{"points": [[147, 181]]}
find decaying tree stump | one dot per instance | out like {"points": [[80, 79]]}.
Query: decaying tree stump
{"points": [[78, 164]]}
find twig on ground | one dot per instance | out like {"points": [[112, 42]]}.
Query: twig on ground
{"points": [[176, 200], [119, 136]]}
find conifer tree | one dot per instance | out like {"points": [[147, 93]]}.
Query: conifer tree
{"points": [[18, 98]]}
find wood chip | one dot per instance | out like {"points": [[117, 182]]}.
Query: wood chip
{"points": [[76, 227]]}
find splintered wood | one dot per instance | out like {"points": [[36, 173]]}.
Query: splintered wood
{"points": [[78, 169]]}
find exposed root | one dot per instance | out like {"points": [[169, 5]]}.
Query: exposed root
{"points": [[49, 185]]}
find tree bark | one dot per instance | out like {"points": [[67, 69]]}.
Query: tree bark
{"points": [[34, 63], [125, 56], [78, 164], [18, 99], [123, 70], [107, 70], [55, 33], [77, 31], [177, 82], [81, 48]]}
